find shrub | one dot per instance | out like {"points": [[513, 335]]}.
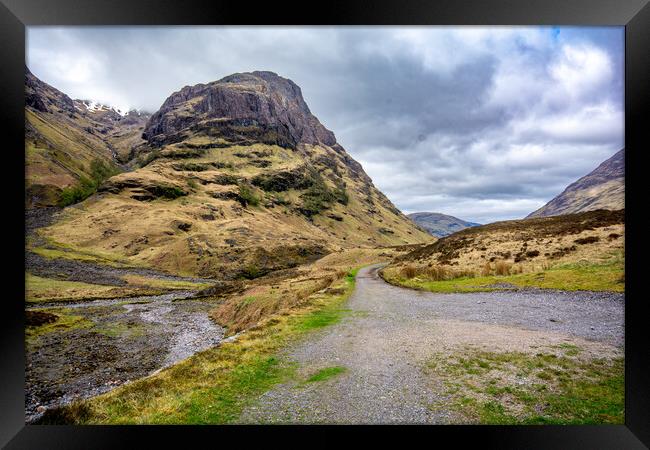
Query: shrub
{"points": [[148, 158], [170, 192], [251, 271], [192, 183], [319, 196], [247, 196], [99, 171], [502, 268], [341, 196]]}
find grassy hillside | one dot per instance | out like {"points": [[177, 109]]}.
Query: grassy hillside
{"points": [[237, 211], [582, 251]]}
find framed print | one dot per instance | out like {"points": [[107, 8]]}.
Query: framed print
{"points": [[411, 214]]}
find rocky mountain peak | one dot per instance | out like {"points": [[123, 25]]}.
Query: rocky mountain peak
{"points": [[246, 107], [44, 98]]}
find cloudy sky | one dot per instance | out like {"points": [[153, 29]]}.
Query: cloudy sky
{"points": [[481, 123]]}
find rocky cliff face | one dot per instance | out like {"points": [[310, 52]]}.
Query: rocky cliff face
{"points": [[440, 225], [65, 137], [603, 188], [42, 97], [240, 108]]}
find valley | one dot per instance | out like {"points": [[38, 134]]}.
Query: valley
{"points": [[225, 260]]}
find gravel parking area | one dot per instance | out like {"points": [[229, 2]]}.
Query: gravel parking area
{"points": [[390, 332]]}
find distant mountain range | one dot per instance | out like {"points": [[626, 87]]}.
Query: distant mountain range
{"points": [[440, 225], [603, 188]]}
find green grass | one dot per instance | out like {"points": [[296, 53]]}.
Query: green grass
{"points": [[326, 374], [39, 289], [214, 386], [66, 321], [248, 196], [99, 171], [117, 329], [569, 277], [55, 250], [157, 283], [550, 388]]}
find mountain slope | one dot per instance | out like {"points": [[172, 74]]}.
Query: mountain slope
{"points": [[440, 225], [576, 251], [603, 188], [238, 178], [64, 141]]}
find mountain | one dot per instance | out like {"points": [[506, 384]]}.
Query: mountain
{"points": [[234, 178], [440, 225], [65, 140], [603, 188]]}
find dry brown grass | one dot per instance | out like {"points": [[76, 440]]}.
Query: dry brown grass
{"points": [[220, 237], [502, 268], [435, 273], [281, 293], [409, 271], [524, 246]]}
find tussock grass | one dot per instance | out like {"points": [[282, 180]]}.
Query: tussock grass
{"points": [[434, 273], [581, 276]]}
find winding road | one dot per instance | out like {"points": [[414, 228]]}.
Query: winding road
{"points": [[384, 341]]}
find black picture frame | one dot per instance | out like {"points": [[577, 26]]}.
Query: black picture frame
{"points": [[15, 15]]}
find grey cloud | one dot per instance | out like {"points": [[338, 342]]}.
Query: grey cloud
{"points": [[463, 121]]}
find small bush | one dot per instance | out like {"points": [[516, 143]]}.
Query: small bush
{"points": [[502, 268], [148, 158], [251, 271], [341, 196], [247, 196], [532, 253], [192, 183], [99, 171], [169, 192]]}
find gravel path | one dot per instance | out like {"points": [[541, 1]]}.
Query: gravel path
{"points": [[391, 332]]}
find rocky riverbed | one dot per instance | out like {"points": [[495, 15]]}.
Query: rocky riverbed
{"points": [[93, 347]]}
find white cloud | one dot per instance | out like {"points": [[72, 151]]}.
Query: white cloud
{"points": [[581, 70]]}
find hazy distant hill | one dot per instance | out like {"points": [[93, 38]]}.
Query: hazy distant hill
{"points": [[440, 225], [603, 188]]}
